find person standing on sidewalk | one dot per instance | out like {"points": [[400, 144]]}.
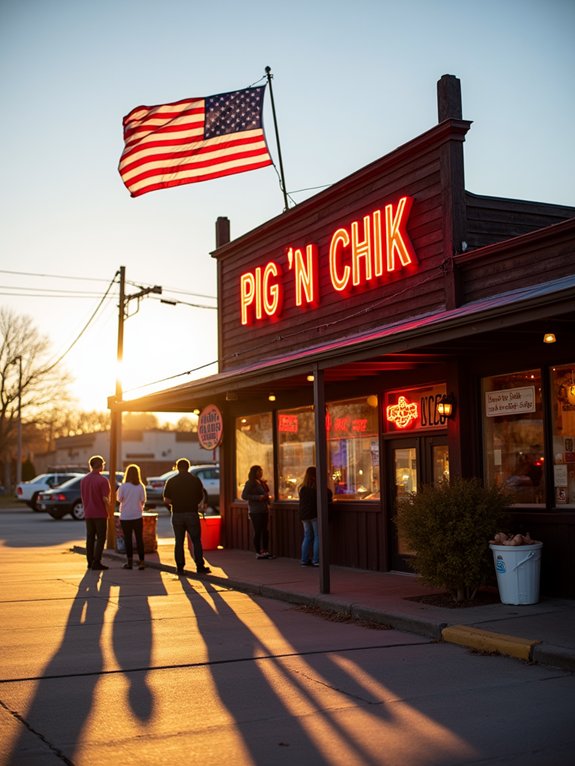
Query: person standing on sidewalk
{"points": [[308, 517], [257, 493], [183, 494], [132, 498], [95, 492]]}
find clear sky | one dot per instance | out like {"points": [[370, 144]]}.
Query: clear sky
{"points": [[352, 81]]}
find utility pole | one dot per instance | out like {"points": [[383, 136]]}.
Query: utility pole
{"points": [[115, 402]]}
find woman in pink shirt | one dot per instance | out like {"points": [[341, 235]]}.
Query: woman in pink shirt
{"points": [[132, 498]]}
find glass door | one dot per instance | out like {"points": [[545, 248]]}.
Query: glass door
{"points": [[411, 463]]}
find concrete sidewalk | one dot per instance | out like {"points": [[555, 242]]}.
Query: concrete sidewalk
{"points": [[542, 633]]}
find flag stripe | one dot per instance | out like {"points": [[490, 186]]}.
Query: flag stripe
{"points": [[193, 140], [177, 179], [161, 150]]}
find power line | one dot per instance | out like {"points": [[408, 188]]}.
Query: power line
{"points": [[83, 330], [46, 292], [88, 279], [51, 276], [171, 377]]}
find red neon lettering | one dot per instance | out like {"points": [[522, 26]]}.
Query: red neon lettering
{"points": [[339, 240], [395, 244], [359, 425], [341, 424], [402, 413], [259, 291], [271, 291], [361, 249], [247, 294], [377, 248], [288, 424], [305, 274], [366, 252], [356, 256]]}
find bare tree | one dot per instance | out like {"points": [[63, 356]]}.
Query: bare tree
{"points": [[56, 422], [26, 375]]}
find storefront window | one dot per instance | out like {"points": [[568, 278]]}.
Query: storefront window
{"points": [[296, 449], [563, 402], [254, 446], [513, 435], [353, 449]]}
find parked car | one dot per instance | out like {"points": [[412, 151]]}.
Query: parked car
{"points": [[209, 475], [67, 498], [28, 491]]}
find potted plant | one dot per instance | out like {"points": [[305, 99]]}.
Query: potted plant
{"points": [[448, 526]]}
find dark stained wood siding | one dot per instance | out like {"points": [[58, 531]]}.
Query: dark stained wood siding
{"points": [[557, 532], [529, 260], [494, 219], [356, 536]]}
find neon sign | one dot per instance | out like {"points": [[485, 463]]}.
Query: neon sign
{"points": [[403, 413], [288, 424], [360, 255]]}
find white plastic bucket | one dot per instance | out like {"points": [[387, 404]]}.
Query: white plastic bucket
{"points": [[518, 572]]}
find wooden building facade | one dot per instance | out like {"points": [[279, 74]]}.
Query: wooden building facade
{"points": [[373, 303]]}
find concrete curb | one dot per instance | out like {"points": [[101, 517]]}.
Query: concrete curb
{"points": [[557, 656], [529, 650]]}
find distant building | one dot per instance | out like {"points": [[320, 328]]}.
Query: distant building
{"points": [[154, 450]]}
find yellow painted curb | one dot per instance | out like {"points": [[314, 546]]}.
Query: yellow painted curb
{"points": [[487, 641]]}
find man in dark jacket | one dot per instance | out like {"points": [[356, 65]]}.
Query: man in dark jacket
{"points": [[182, 494]]}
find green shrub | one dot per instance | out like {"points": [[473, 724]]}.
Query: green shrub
{"points": [[449, 526]]}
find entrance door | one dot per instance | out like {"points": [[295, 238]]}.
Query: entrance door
{"points": [[411, 462]]}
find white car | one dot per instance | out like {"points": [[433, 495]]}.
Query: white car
{"points": [[209, 475], [28, 491]]}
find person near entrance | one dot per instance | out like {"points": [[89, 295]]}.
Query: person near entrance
{"points": [[95, 492], [257, 493], [308, 517], [183, 494]]}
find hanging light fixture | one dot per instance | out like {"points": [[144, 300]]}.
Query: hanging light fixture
{"points": [[272, 397], [446, 406], [549, 337]]}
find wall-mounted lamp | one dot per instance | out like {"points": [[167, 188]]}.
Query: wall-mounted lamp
{"points": [[549, 337], [310, 378], [446, 406], [272, 397]]}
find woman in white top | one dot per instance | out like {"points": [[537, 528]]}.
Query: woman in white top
{"points": [[132, 498]]}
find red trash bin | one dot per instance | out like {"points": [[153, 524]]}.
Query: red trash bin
{"points": [[211, 529]]}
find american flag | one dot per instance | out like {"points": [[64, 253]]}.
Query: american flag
{"points": [[193, 140]]}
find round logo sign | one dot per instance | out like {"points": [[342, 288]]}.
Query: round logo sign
{"points": [[210, 427]]}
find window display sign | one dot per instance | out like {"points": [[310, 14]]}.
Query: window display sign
{"points": [[510, 401]]}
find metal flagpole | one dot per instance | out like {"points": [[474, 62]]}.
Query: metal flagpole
{"points": [[282, 177]]}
